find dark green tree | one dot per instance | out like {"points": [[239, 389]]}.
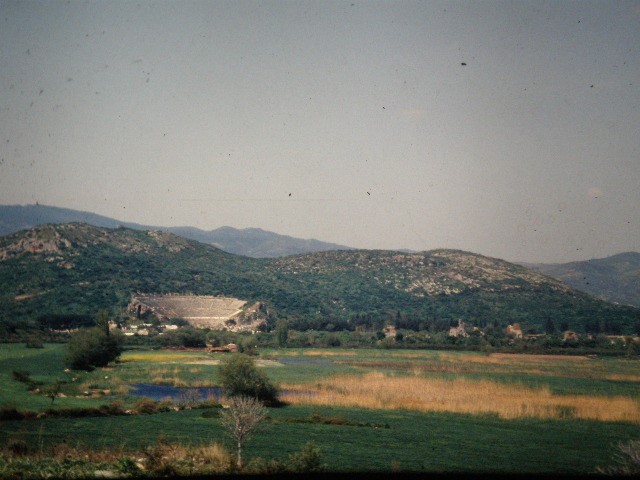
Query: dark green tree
{"points": [[102, 322], [549, 327], [282, 333], [240, 377], [92, 347]]}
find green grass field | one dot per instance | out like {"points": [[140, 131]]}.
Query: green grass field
{"points": [[413, 441]]}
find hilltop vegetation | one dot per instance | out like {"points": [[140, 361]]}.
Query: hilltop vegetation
{"points": [[77, 269]]}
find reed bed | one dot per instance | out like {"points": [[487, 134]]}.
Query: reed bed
{"points": [[563, 366], [160, 357], [376, 390]]}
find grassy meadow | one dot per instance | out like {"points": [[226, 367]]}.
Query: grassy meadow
{"points": [[374, 410]]}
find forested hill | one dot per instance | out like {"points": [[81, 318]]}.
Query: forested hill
{"points": [[78, 269], [614, 279]]}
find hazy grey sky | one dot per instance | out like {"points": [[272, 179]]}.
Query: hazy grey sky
{"points": [[510, 129]]}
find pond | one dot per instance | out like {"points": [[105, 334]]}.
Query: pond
{"points": [[176, 394], [186, 394]]}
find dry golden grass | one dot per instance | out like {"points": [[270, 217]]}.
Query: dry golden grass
{"points": [[538, 358], [378, 391], [203, 383], [160, 357], [122, 389], [188, 460], [178, 382], [205, 361], [620, 377], [329, 353]]}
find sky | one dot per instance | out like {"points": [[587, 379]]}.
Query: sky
{"points": [[509, 129]]}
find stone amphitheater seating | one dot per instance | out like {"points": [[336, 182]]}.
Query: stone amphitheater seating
{"points": [[197, 310]]}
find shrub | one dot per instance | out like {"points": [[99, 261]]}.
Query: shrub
{"points": [[17, 447], [211, 413], [260, 466], [240, 377], [10, 412], [146, 405], [34, 341], [116, 407], [91, 348], [308, 459], [128, 467], [185, 337], [21, 376], [167, 459]]}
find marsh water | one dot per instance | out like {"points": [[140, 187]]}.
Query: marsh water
{"points": [[177, 394], [163, 392]]}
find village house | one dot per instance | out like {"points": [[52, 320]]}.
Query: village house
{"points": [[459, 331], [514, 331], [390, 331]]}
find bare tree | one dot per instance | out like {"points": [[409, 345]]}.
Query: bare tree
{"points": [[242, 419]]}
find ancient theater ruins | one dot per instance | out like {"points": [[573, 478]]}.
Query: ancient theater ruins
{"points": [[201, 311]]}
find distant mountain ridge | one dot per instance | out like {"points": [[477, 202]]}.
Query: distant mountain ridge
{"points": [[614, 279], [76, 268], [250, 242]]}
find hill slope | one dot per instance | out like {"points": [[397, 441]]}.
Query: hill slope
{"points": [[250, 242], [614, 279], [77, 268]]}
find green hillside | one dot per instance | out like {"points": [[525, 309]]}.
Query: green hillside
{"points": [[79, 269], [614, 279]]}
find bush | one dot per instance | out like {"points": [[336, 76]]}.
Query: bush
{"points": [[91, 348], [260, 466], [308, 459], [21, 376], [34, 341], [240, 377], [185, 337], [17, 447], [10, 412], [167, 459], [146, 405], [115, 408]]}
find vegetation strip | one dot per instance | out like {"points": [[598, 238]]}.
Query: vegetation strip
{"points": [[316, 418], [376, 390]]}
